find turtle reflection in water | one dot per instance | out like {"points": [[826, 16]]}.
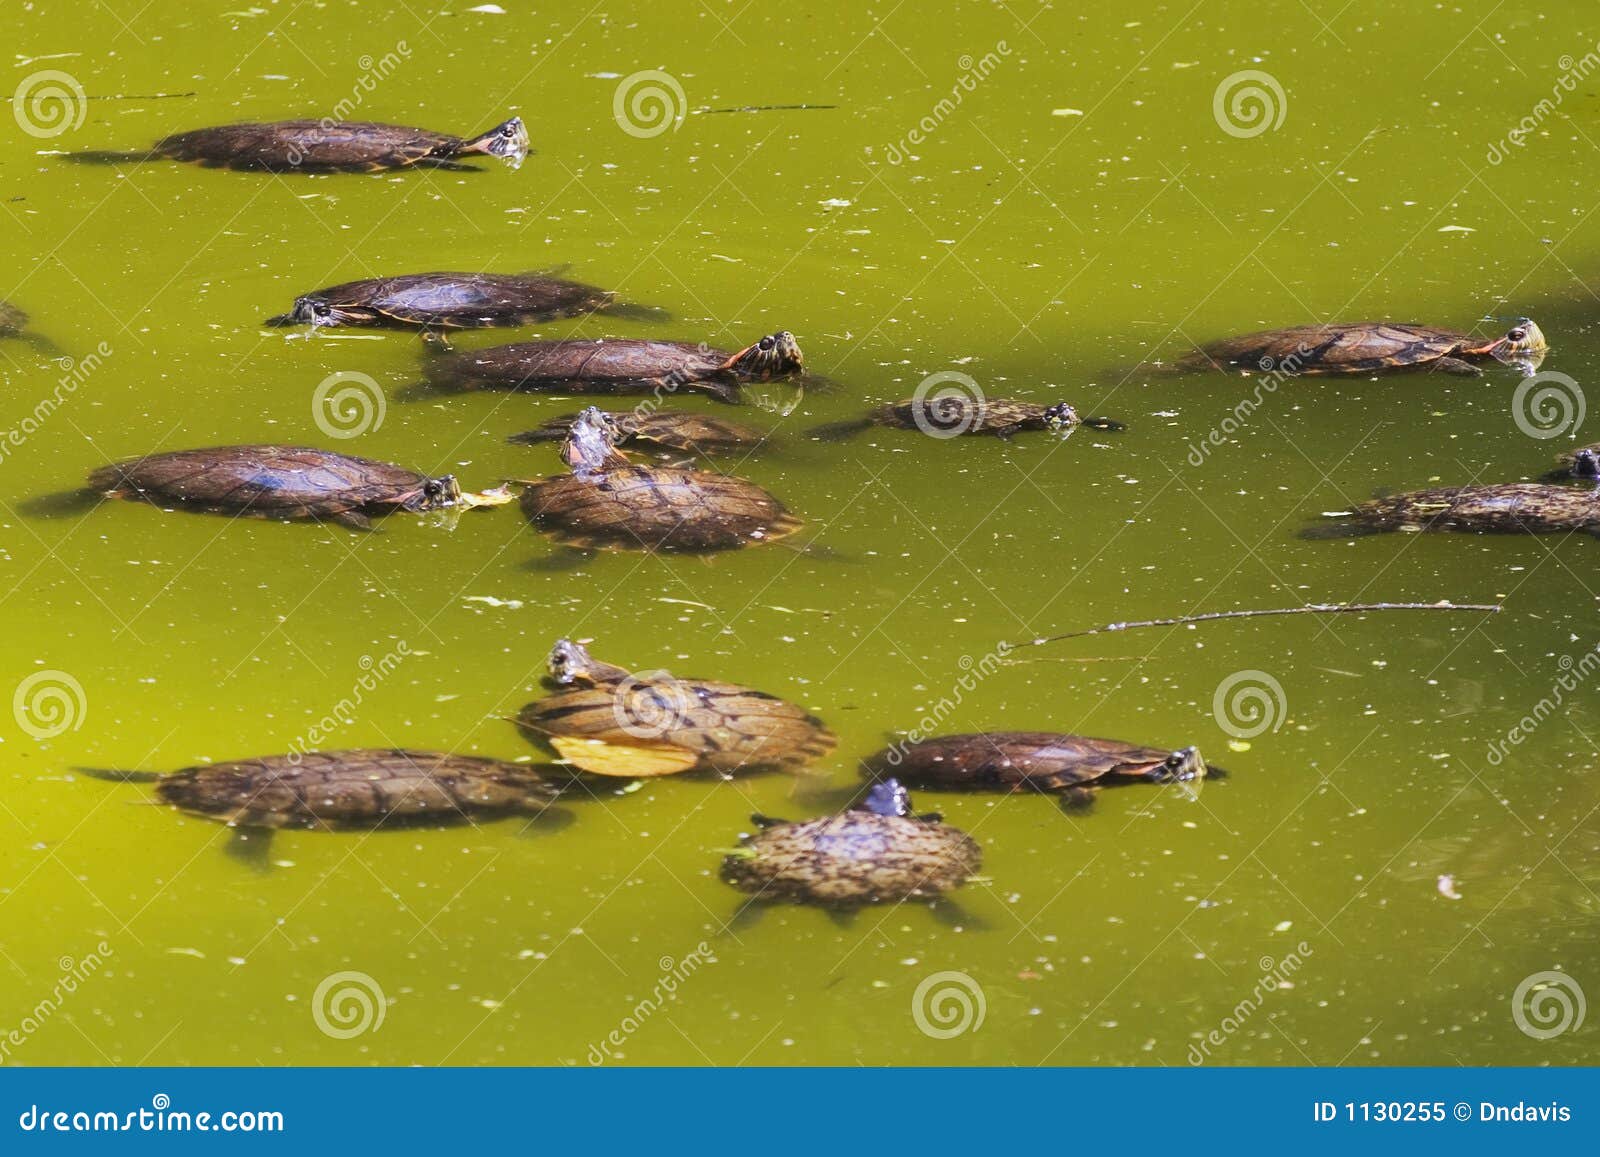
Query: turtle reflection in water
{"points": [[610, 721], [326, 146], [1071, 767], [875, 853], [1505, 508], [606, 502], [1367, 348], [359, 790]]}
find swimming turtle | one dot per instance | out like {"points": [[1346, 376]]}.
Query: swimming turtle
{"points": [[608, 503], [953, 414], [670, 429], [1582, 463], [1502, 508], [876, 852], [325, 146], [1074, 767], [616, 366], [289, 483], [1369, 347], [610, 721], [350, 790], [435, 301], [12, 320]]}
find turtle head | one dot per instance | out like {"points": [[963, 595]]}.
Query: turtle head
{"points": [[1586, 464], [1061, 416], [773, 356], [571, 665], [889, 798], [591, 443], [309, 309], [1523, 345], [1184, 764], [437, 493], [508, 141]]}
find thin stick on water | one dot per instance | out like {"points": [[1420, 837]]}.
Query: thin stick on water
{"points": [[1309, 609]]}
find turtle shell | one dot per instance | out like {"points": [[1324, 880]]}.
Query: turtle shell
{"points": [[358, 789], [653, 724], [857, 857], [656, 508], [12, 320], [608, 366], [282, 482], [445, 301], [670, 429], [1506, 508], [1029, 760], [1323, 350], [310, 146], [1580, 462], [963, 415]]}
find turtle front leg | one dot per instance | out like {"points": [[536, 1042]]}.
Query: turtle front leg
{"points": [[250, 846], [1076, 799], [1461, 369]]}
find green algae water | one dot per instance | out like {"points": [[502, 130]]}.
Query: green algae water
{"points": [[1037, 198]]}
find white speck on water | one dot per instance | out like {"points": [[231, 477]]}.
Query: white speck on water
{"points": [[1457, 229], [1447, 887]]}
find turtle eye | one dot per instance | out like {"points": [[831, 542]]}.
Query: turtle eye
{"points": [[765, 343], [1517, 334]]}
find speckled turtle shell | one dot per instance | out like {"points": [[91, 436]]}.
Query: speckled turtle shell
{"points": [[958, 414], [616, 366], [678, 430], [290, 483], [1506, 508], [445, 301], [1371, 347], [607, 503], [1031, 761], [312, 146], [358, 789], [857, 857], [610, 721]]}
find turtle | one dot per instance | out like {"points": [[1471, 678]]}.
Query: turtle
{"points": [[609, 721], [606, 502], [14, 324], [1366, 348], [616, 366], [680, 430], [364, 789], [437, 301], [1501, 508], [1074, 767], [325, 146], [1581, 463], [873, 853], [948, 415], [288, 483]]}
